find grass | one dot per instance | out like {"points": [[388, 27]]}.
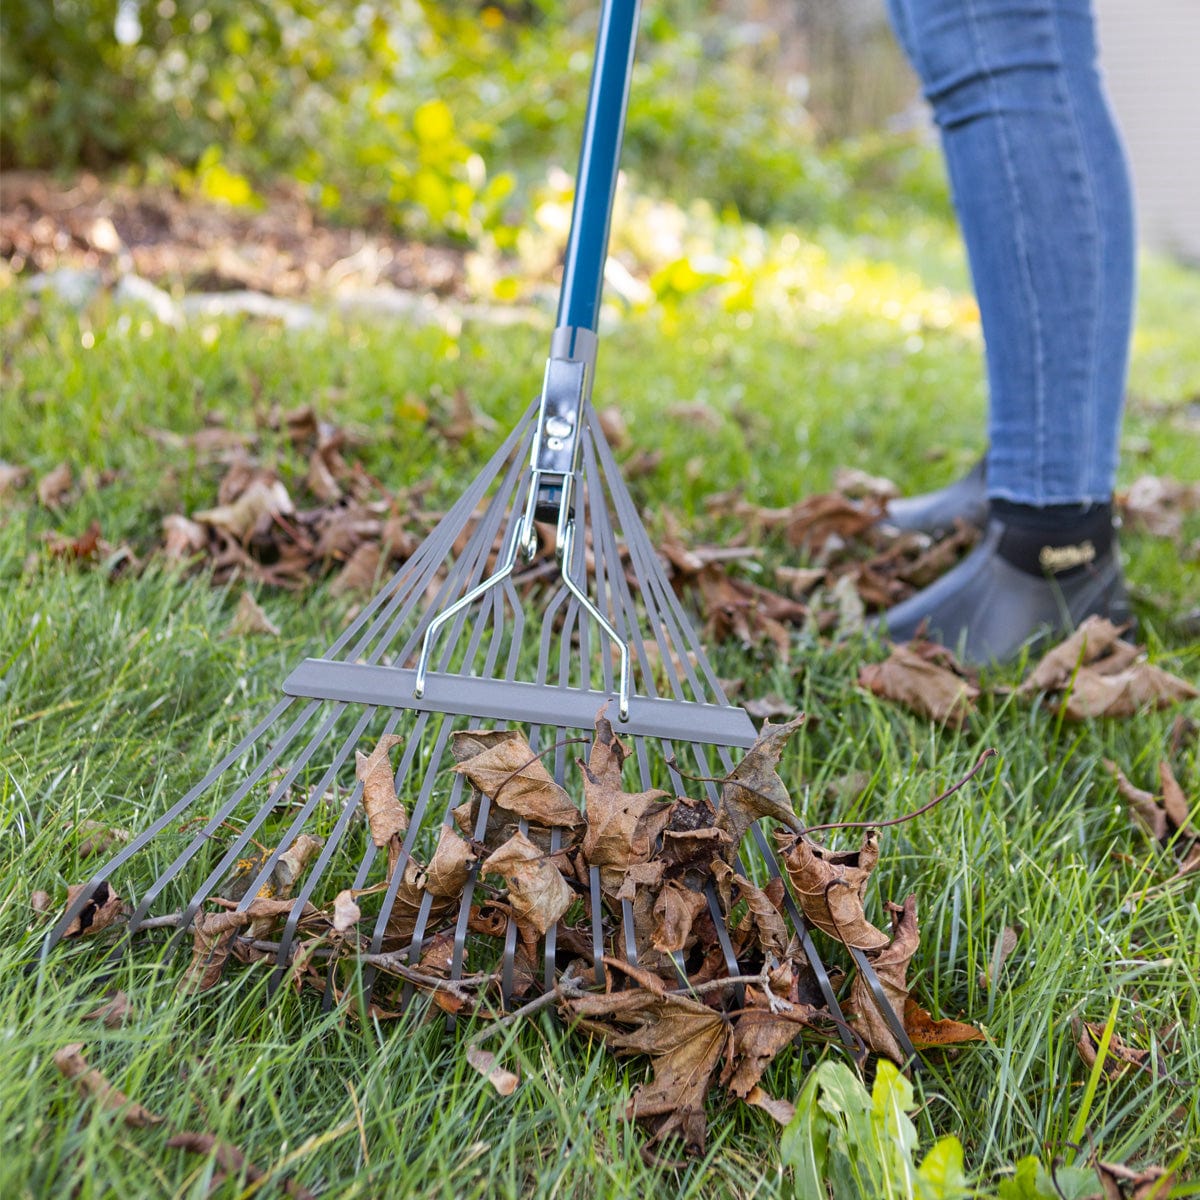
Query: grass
{"points": [[115, 696]]}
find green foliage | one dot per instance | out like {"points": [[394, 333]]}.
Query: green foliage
{"points": [[399, 114], [845, 1142]]}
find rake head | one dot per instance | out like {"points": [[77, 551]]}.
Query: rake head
{"points": [[441, 663]]}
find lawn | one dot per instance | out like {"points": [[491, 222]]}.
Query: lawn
{"points": [[117, 693]]}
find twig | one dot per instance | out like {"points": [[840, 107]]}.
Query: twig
{"points": [[567, 988], [988, 753]]}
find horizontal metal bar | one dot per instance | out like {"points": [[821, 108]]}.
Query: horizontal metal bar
{"points": [[509, 700]]}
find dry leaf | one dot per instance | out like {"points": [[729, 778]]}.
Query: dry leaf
{"points": [[1006, 943], [766, 921], [1158, 506], [90, 1082], [261, 502], [622, 828], [113, 1012], [183, 538], [926, 1034], [1121, 1057], [231, 1160], [447, 873], [359, 574], [782, 1111], [40, 902], [1123, 1183], [891, 969], [346, 913], [1143, 686], [212, 940], [1094, 637], [537, 892], [830, 886], [516, 779], [385, 813], [102, 909], [758, 1037], [12, 478], [675, 909], [96, 838], [485, 1062], [54, 488], [684, 1040], [250, 619], [754, 790], [1144, 807], [931, 689]]}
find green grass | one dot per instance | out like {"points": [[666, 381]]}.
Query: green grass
{"points": [[115, 696]]}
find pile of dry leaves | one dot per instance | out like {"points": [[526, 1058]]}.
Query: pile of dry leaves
{"points": [[646, 889]]}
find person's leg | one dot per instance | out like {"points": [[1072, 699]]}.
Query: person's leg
{"points": [[1042, 193]]}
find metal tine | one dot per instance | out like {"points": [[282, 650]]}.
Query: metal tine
{"points": [[410, 581], [651, 573], [231, 856], [432, 772], [147, 835], [221, 816], [469, 569]]}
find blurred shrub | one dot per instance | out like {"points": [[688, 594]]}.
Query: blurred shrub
{"points": [[393, 112]]}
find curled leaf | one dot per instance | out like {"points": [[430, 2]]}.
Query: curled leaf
{"points": [[537, 892], [90, 1082], [102, 909], [754, 789], [830, 887], [385, 814], [517, 780], [486, 1063]]}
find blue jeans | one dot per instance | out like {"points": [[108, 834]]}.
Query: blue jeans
{"points": [[1042, 193]]}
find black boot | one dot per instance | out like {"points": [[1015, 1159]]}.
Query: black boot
{"points": [[934, 513], [1020, 582]]}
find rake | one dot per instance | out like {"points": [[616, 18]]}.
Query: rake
{"points": [[443, 648]]}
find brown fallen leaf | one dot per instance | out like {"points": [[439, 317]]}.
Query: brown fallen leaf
{"points": [[212, 940], [231, 1160], [12, 478], [1144, 807], [781, 1111], [359, 575], [1139, 688], [385, 814], [447, 873], [754, 789], [891, 969], [255, 508], [927, 1034], [250, 619], [1121, 1057], [830, 886], [759, 1035], [1006, 943], [537, 892], [54, 488], [183, 538], [676, 908], [930, 686], [684, 1040], [1095, 637], [90, 1082], [516, 779], [622, 828], [346, 913], [486, 1063], [41, 902], [762, 917], [1158, 506], [113, 1012], [102, 909], [1124, 1183], [95, 838]]}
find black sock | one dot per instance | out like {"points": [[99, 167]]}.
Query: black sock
{"points": [[1056, 539]]}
